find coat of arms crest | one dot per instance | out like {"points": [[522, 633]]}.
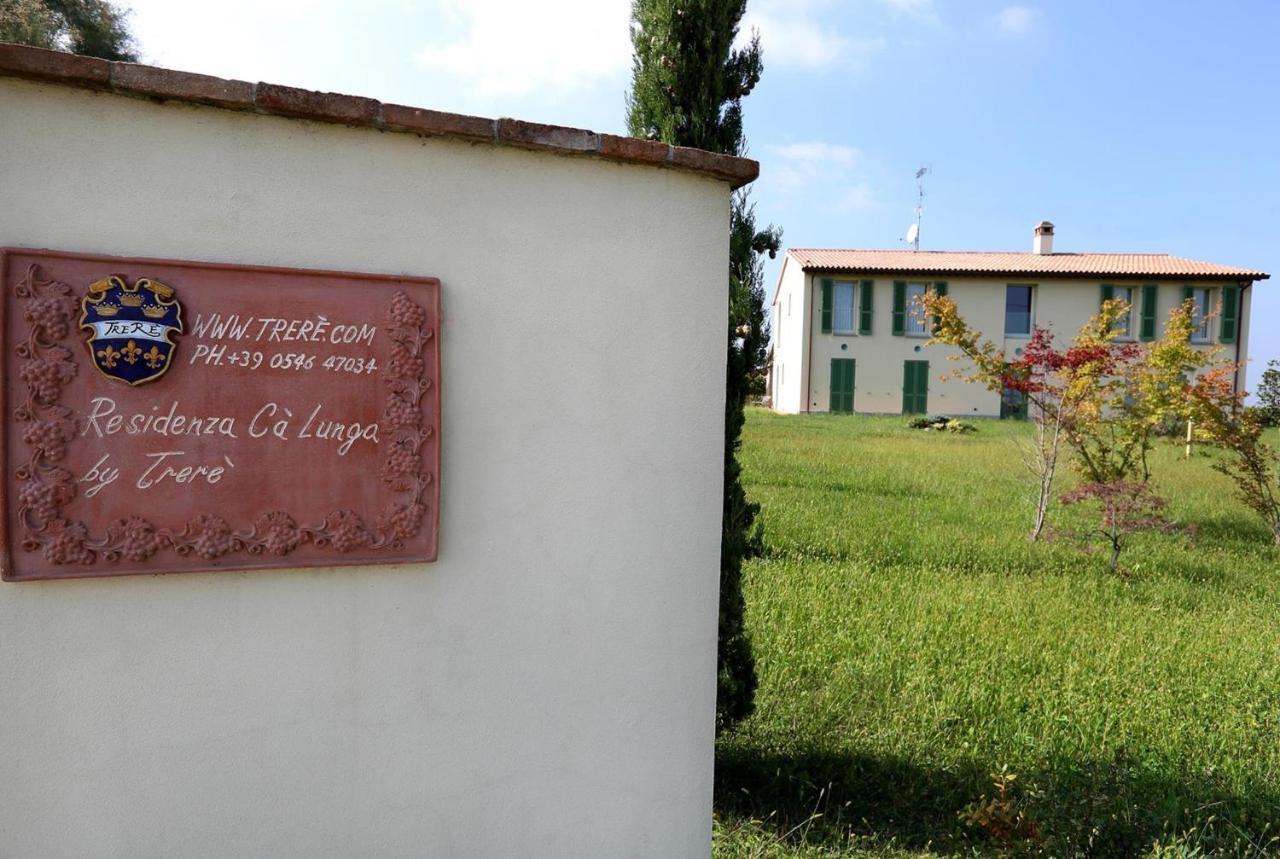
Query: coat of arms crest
{"points": [[130, 327]]}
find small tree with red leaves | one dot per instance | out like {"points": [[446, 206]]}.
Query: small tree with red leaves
{"points": [[1063, 388], [1044, 377], [1105, 398], [1126, 507]]}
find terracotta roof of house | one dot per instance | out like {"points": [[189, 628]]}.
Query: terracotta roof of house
{"points": [[273, 99], [1018, 264]]}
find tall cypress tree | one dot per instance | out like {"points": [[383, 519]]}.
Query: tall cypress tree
{"points": [[687, 86]]}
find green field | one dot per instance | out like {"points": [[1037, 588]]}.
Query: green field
{"points": [[911, 642]]}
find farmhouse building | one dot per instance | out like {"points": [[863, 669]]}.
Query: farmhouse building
{"points": [[846, 339]]}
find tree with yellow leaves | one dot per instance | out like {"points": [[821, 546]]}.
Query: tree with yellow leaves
{"points": [[1105, 398]]}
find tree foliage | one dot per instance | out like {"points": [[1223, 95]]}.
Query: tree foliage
{"points": [[95, 28], [1269, 394], [1218, 410], [1107, 399], [688, 82], [1066, 389], [1128, 392], [1125, 507]]}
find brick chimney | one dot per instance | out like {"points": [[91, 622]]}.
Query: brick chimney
{"points": [[1043, 241]]}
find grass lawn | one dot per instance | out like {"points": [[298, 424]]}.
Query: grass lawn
{"points": [[911, 642]]}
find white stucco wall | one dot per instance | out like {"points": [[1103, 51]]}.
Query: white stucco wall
{"points": [[790, 338], [1061, 305], [545, 689]]}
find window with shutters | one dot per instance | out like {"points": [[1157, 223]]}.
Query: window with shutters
{"points": [[1203, 300], [842, 307], [1017, 310], [917, 326]]}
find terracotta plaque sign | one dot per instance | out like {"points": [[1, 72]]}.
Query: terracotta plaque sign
{"points": [[164, 416]]}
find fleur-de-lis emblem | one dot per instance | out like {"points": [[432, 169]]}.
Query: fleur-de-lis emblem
{"points": [[131, 326], [108, 356]]}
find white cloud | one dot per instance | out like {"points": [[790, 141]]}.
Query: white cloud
{"points": [[811, 159], [1015, 20], [794, 35], [918, 11], [853, 198], [231, 38], [818, 167], [911, 7], [794, 42], [556, 47]]}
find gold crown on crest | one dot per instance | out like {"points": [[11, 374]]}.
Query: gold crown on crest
{"points": [[107, 309], [151, 311], [131, 296]]}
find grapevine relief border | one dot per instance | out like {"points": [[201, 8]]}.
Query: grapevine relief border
{"points": [[49, 426]]}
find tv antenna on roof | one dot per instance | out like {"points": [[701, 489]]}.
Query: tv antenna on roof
{"points": [[913, 231]]}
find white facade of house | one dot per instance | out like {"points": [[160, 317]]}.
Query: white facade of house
{"points": [[804, 375]]}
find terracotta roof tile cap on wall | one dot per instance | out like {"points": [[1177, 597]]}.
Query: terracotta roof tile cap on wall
{"points": [[1017, 264], [20, 61]]}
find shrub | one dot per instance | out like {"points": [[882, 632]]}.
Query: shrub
{"points": [[1003, 815], [1252, 465], [1170, 426], [1262, 416], [1125, 508], [942, 423], [1269, 395]]}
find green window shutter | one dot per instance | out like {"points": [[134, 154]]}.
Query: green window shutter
{"points": [[899, 308], [826, 305], [833, 396], [1108, 293], [908, 386], [866, 289], [922, 387], [1230, 314], [1188, 293], [1150, 295]]}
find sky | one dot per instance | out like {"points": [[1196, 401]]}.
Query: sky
{"points": [[1132, 125]]}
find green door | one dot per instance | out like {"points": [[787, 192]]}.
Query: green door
{"points": [[915, 387], [842, 385]]}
